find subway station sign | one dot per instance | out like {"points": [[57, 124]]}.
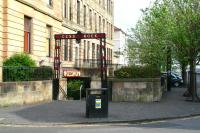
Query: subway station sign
{"points": [[71, 73], [80, 36]]}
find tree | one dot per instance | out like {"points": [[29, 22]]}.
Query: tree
{"points": [[169, 25], [187, 20], [17, 68], [17, 60]]}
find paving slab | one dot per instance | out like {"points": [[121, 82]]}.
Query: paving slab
{"points": [[172, 105]]}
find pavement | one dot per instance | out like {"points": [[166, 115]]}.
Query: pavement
{"points": [[172, 106]]}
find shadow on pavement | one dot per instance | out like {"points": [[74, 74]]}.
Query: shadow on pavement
{"points": [[56, 111], [172, 105]]}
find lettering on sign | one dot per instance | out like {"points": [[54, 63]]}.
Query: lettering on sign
{"points": [[71, 73], [80, 36]]}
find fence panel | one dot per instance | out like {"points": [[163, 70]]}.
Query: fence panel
{"points": [[11, 74]]}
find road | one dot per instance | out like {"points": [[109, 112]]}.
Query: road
{"points": [[190, 125]]}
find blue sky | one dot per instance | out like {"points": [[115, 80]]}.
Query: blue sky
{"points": [[127, 12]]}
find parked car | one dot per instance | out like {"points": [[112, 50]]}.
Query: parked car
{"points": [[176, 80]]}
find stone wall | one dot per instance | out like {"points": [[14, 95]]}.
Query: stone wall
{"points": [[95, 83], [12, 93], [136, 90]]}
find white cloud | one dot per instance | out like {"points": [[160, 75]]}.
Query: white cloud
{"points": [[127, 12]]}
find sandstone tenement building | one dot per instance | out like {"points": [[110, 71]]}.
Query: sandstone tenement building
{"points": [[29, 26]]}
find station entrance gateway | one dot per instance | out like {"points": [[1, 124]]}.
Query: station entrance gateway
{"points": [[57, 60]]}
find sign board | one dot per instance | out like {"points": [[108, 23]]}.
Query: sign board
{"points": [[81, 36], [98, 103], [71, 73]]}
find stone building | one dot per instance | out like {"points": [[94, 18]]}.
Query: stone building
{"points": [[30, 25], [120, 45]]}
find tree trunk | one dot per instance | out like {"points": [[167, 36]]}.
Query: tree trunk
{"points": [[183, 74], [192, 87], [188, 92]]}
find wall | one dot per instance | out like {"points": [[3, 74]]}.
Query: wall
{"points": [[12, 93], [136, 90]]}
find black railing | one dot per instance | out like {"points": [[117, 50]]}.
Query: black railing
{"points": [[11, 74], [90, 63]]}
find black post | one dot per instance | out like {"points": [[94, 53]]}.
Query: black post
{"points": [[168, 69], [56, 77], [103, 64], [55, 89]]}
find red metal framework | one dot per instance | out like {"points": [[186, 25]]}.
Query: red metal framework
{"points": [[100, 36], [57, 61]]}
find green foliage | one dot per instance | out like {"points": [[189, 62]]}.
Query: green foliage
{"points": [[137, 72], [73, 88], [20, 67], [20, 60]]}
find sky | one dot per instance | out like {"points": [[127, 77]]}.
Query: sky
{"points": [[128, 12]]}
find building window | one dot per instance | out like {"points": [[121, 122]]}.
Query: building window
{"points": [[27, 34], [95, 21], [70, 50], [108, 30], [108, 5], [88, 50], [104, 3], [84, 51], [90, 12], [80, 51], [111, 56], [109, 34], [98, 55], [107, 57], [111, 8], [78, 12], [70, 11], [93, 51], [103, 25], [76, 55], [66, 50], [98, 52], [48, 41], [99, 23], [111, 31], [84, 16], [65, 9]]}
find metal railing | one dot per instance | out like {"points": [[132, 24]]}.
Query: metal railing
{"points": [[11, 74], [90, 63]]}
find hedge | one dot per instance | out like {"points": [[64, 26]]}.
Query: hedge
{"points": [[137, 72]]}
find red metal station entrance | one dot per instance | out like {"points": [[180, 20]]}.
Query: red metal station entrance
{"points": [[57, 61]]}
